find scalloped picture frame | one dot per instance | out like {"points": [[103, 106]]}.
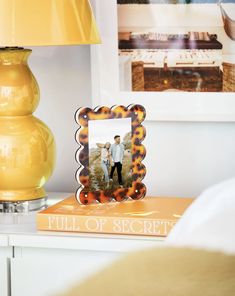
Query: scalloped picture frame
{"points": [[137, 189]]}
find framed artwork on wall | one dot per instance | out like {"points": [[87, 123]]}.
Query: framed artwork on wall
{"points": [[175, 57]]}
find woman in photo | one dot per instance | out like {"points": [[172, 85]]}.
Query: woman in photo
{"points": [[105, 159]]}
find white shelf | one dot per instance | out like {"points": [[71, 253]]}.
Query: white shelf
{"points": [[4, 240], [67, 257]]}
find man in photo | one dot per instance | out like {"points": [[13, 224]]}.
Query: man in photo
{"points": [[117, 154]]}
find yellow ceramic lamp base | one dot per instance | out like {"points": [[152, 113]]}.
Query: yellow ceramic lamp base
{"points": [[27, 147]]}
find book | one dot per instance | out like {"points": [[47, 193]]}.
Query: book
{"points": [[151, 216]]}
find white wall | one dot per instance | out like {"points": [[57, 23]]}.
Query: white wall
{"points": [[63, 74], [182, 158]]}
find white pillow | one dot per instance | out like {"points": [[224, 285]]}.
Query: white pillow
{"points": [[209, 223]]}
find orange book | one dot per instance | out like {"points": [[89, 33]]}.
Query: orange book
{"points": [[154, 216]]}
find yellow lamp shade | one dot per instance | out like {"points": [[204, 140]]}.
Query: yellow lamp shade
{"points": [[46, 22]]}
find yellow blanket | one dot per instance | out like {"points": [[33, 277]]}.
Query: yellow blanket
{"points": [[163, 272]]}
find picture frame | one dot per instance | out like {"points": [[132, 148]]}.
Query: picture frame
{"points": [[160, 106], [100, 153]]}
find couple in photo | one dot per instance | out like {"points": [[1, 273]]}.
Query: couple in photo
{"points": [[112, 156]]}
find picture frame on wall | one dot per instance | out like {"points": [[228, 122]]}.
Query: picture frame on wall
{"points": [[174, 57]]}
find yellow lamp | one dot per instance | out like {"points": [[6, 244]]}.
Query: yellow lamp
{"points": [[27, 147]]}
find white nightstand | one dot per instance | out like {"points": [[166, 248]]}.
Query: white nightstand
{"points": [[42, 263]]}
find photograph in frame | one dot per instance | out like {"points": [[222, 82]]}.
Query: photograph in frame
{"points": [[171, 46], [186, 92], [110, 154]]}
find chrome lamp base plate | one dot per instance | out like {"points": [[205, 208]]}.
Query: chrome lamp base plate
{"points": [[23, 206]]}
